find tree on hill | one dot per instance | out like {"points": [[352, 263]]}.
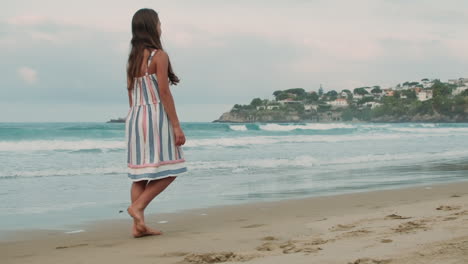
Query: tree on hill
{"points": [[311, 97], [360, 91], [440, 89], [256, 102], [410, 94], [376, 90], [346, 91], [332, 93], [282, 96], [296, 91], [276, 93]]}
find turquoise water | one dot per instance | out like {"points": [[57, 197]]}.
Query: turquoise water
{"points": [[59, 175]]}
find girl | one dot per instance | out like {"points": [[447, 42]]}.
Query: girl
{"points": [[153, 133]]}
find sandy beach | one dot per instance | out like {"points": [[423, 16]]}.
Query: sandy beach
{"points": [[424, 224]]}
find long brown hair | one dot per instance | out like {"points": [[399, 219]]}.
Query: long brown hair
{"points": [[144, 35]]}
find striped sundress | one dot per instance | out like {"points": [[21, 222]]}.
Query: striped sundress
{"points": [[151, 150]]}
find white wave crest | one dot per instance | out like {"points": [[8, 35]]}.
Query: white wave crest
{"points": [[64, 172], [429, 129], [307, 161], [238, 127], [314, 126], [301, 161], [264, 140], [34, 145]]}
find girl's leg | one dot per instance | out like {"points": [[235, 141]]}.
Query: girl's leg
{"points": [[136, 190], [152, 189]]}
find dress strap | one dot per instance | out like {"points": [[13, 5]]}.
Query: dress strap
{"points": [[149, 60]]}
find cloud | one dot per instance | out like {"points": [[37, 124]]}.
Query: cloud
{"points": [[26, 20], [227, 52], [28, 75]]}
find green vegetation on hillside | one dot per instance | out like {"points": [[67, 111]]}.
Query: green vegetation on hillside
{"points": [[407, 101]]}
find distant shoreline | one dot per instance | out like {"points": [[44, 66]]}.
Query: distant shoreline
{"points": [[122, 120], [334, 122]]}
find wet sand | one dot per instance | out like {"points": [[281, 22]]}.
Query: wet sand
{"points": [[425, 224]]}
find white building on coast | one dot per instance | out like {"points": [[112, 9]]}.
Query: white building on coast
{"points": [[340, 102], [424, 95]]}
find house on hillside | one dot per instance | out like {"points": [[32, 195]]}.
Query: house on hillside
{"points": [[459, 90], [389, 92], [426, 83], [272, 107], [424, 95], [459, 81], [339, 102], [289, 101], [372, 104], [357, 97], [310, 107]]}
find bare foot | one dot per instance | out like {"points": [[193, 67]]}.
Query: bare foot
{"points": [[136, 233], [137, 219], [152, 231], [149, 232]]}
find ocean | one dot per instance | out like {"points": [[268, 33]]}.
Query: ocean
{"points": [[61, 175]]}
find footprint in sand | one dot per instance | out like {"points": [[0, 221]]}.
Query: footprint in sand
{"points": [[341, 227], [411, 226], [308, 250], [293, 246], [268, 238], [395, 216], [450, 218], [253, 226], [289, 247], [217, 257], [448, 208], [355, 233], [268, 246], [71, 246], [370, 261], [174, 254], [317, 241], [464, 212]]}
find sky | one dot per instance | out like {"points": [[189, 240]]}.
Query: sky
{"points": [[65, 60]]}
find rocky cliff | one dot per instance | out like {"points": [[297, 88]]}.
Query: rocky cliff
{"points": [[266, 116], [330, 116]]}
